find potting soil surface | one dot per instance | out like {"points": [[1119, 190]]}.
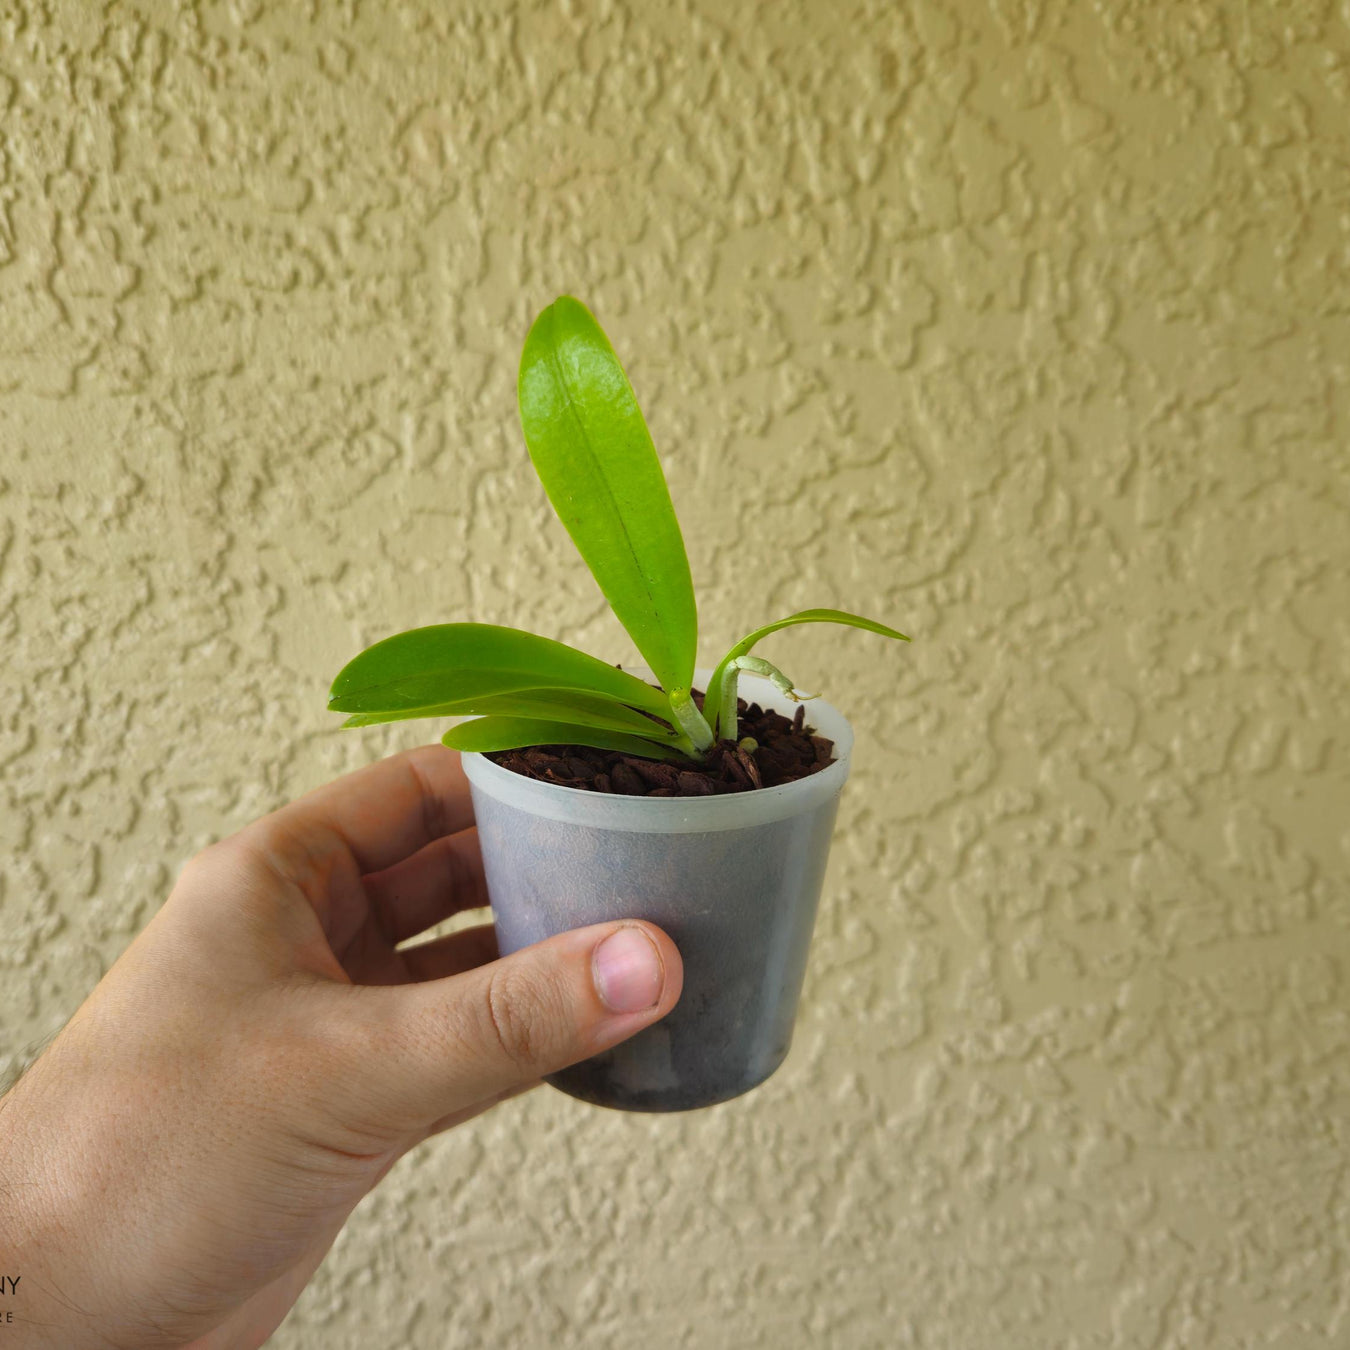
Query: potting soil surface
{"points": [[786, 750]]}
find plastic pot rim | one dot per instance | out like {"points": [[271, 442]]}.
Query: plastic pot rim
{"points": [[681, 815]]}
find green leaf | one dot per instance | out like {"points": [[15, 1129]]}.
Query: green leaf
{"points": [[720, 699], [595, 458], [575, 706], [511, 733], [427, 668]]}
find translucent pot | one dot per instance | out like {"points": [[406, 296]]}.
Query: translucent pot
{"points": [[733, 879]]}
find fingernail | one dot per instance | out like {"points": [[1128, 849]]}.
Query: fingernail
{"points": [[628, 971]]}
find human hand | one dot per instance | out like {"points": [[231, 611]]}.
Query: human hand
{"points": [[179, 1161]]}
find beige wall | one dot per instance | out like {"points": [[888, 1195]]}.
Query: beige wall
{"points": [[1025, 326]]}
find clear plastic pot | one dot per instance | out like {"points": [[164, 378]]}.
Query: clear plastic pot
{"points": [[733, 879]]}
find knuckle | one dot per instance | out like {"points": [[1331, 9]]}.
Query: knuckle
{"points": [[201, 867], [434, 822], [521, 1012], [227, 862]]}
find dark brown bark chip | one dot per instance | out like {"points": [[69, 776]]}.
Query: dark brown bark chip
{"points": [[788, 749], [626, 781], [653, 771], [771, 761]]}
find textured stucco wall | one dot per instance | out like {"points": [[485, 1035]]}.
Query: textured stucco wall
{"points": [[1023, 324]]}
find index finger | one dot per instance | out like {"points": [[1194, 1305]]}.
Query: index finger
{"points": [[387, 811]]}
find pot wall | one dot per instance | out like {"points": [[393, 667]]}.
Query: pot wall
{"points": [[734, 880]]}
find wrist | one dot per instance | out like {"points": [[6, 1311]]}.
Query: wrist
{"points": [[52, 1295]]}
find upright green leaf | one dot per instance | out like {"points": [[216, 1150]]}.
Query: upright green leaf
{"points": [[512, 733], [720, 696], [595, 458], [427, 668]]}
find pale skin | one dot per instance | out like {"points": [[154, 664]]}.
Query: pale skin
{"points": [[179, 1161]]}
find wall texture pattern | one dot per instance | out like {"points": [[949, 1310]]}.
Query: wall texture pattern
{"points": [[1024, 324]]}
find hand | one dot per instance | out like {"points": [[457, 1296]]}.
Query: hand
{"points": [[180, 1160]]}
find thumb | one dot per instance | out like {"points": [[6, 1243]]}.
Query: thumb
{"points": [[453, 1043]]}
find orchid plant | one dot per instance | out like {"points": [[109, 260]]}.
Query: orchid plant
{"points": [[594, 455]]}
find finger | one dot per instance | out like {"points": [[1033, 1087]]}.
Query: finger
{"points": [[371, 960], [442, 879], [452, 954], [382, 813], [449, 1044]]}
